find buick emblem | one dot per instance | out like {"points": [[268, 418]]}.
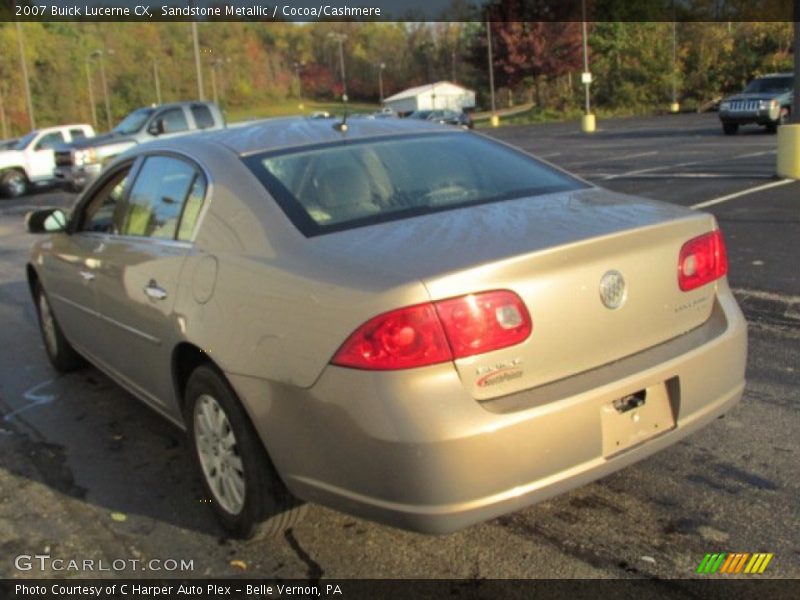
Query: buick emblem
{"points": [[612, 289]]}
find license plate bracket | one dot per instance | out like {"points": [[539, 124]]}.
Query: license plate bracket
{"points": [[635, 418]]}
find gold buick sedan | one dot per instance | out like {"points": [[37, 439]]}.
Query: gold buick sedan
{"points": [[402, 321]]}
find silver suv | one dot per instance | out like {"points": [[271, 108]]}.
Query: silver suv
{"points": [[79, 163]]}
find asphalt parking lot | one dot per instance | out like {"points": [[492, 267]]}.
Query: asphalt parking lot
{"points": [[88, 472]]}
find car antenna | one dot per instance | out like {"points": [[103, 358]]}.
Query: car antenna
{"points": [[342, 126]]}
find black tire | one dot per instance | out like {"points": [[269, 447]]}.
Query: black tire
{"points": [[267, 508], [730, 128], [62, 355], [13, 183]]}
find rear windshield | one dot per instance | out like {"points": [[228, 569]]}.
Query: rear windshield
{"points": [[344, 185], [770, 85]]}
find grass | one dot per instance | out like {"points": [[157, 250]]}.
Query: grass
{"points": [[283, 108]]}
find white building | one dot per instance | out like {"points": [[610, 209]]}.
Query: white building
{"points": [[433, 96]]}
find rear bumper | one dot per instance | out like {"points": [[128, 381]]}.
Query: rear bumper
{"points": [[413, 450]]}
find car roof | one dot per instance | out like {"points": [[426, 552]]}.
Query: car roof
{"points": [[776, 75], [293, 132]]}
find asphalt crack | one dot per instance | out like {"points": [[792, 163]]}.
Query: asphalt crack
{"points": [[315, 571]]}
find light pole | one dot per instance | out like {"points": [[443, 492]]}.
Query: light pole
{"points": [[588, 121], [198, 66], [3, 123], [381, 67], [297, 67], [495, 119], [25, 79], [102, 54], [91, 89], [157, 81], [340, 39], [674, 107], [216, 64]]}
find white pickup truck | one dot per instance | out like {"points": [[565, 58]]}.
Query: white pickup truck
{"points": [[31, 160]]}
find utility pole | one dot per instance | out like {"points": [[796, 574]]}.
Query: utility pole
{"points": [[381, 67], [340, 38], [588, 121], [158, 82], [297, 66], [494, 119], [3, 123], [197, 65], [91, 90], [674, 107], [105, 87], [25, 78]]}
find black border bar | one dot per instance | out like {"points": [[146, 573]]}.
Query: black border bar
{"points": [[397, 10]]}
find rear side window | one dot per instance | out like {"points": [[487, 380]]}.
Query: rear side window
{"points": [[343, 185], [157, 198], [174, 121], [202, 116], [77, 134]]}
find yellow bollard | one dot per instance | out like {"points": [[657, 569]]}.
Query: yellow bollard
{"points": [[588, 123], [674, 107], [495, 120], [789, 151]]}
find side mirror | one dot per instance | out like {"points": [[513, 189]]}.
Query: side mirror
{"points": [[156, 127], [48, 220]]}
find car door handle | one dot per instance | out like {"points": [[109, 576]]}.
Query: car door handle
{"points": [[154, 292], [87, 276]]}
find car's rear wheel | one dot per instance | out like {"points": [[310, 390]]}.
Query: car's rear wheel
{"points": [[243, 487], [730, 128], [13, 183], [60, 352]]}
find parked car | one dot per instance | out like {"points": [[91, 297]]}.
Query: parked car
{"points": [[29, 161], [385, 113], [79, 163], [400, 320], [446, 117], [765, 101], [8, 144]]}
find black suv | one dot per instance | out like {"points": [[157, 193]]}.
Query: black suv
{"points": [[765, 101]]}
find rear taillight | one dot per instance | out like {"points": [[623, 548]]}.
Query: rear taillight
{"points": [[478, 323], [437, 332], [702, 260]]}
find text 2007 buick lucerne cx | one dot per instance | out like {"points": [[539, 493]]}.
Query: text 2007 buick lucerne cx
{"points": [[396, 319]]}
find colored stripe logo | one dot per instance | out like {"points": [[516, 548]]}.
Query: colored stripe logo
{"points": [[734, 562]]}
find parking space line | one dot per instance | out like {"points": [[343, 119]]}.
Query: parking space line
{"points": [[623, 157], [650, 170], [720, 175], [752, 154], [683, 164], [753, 190]]}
